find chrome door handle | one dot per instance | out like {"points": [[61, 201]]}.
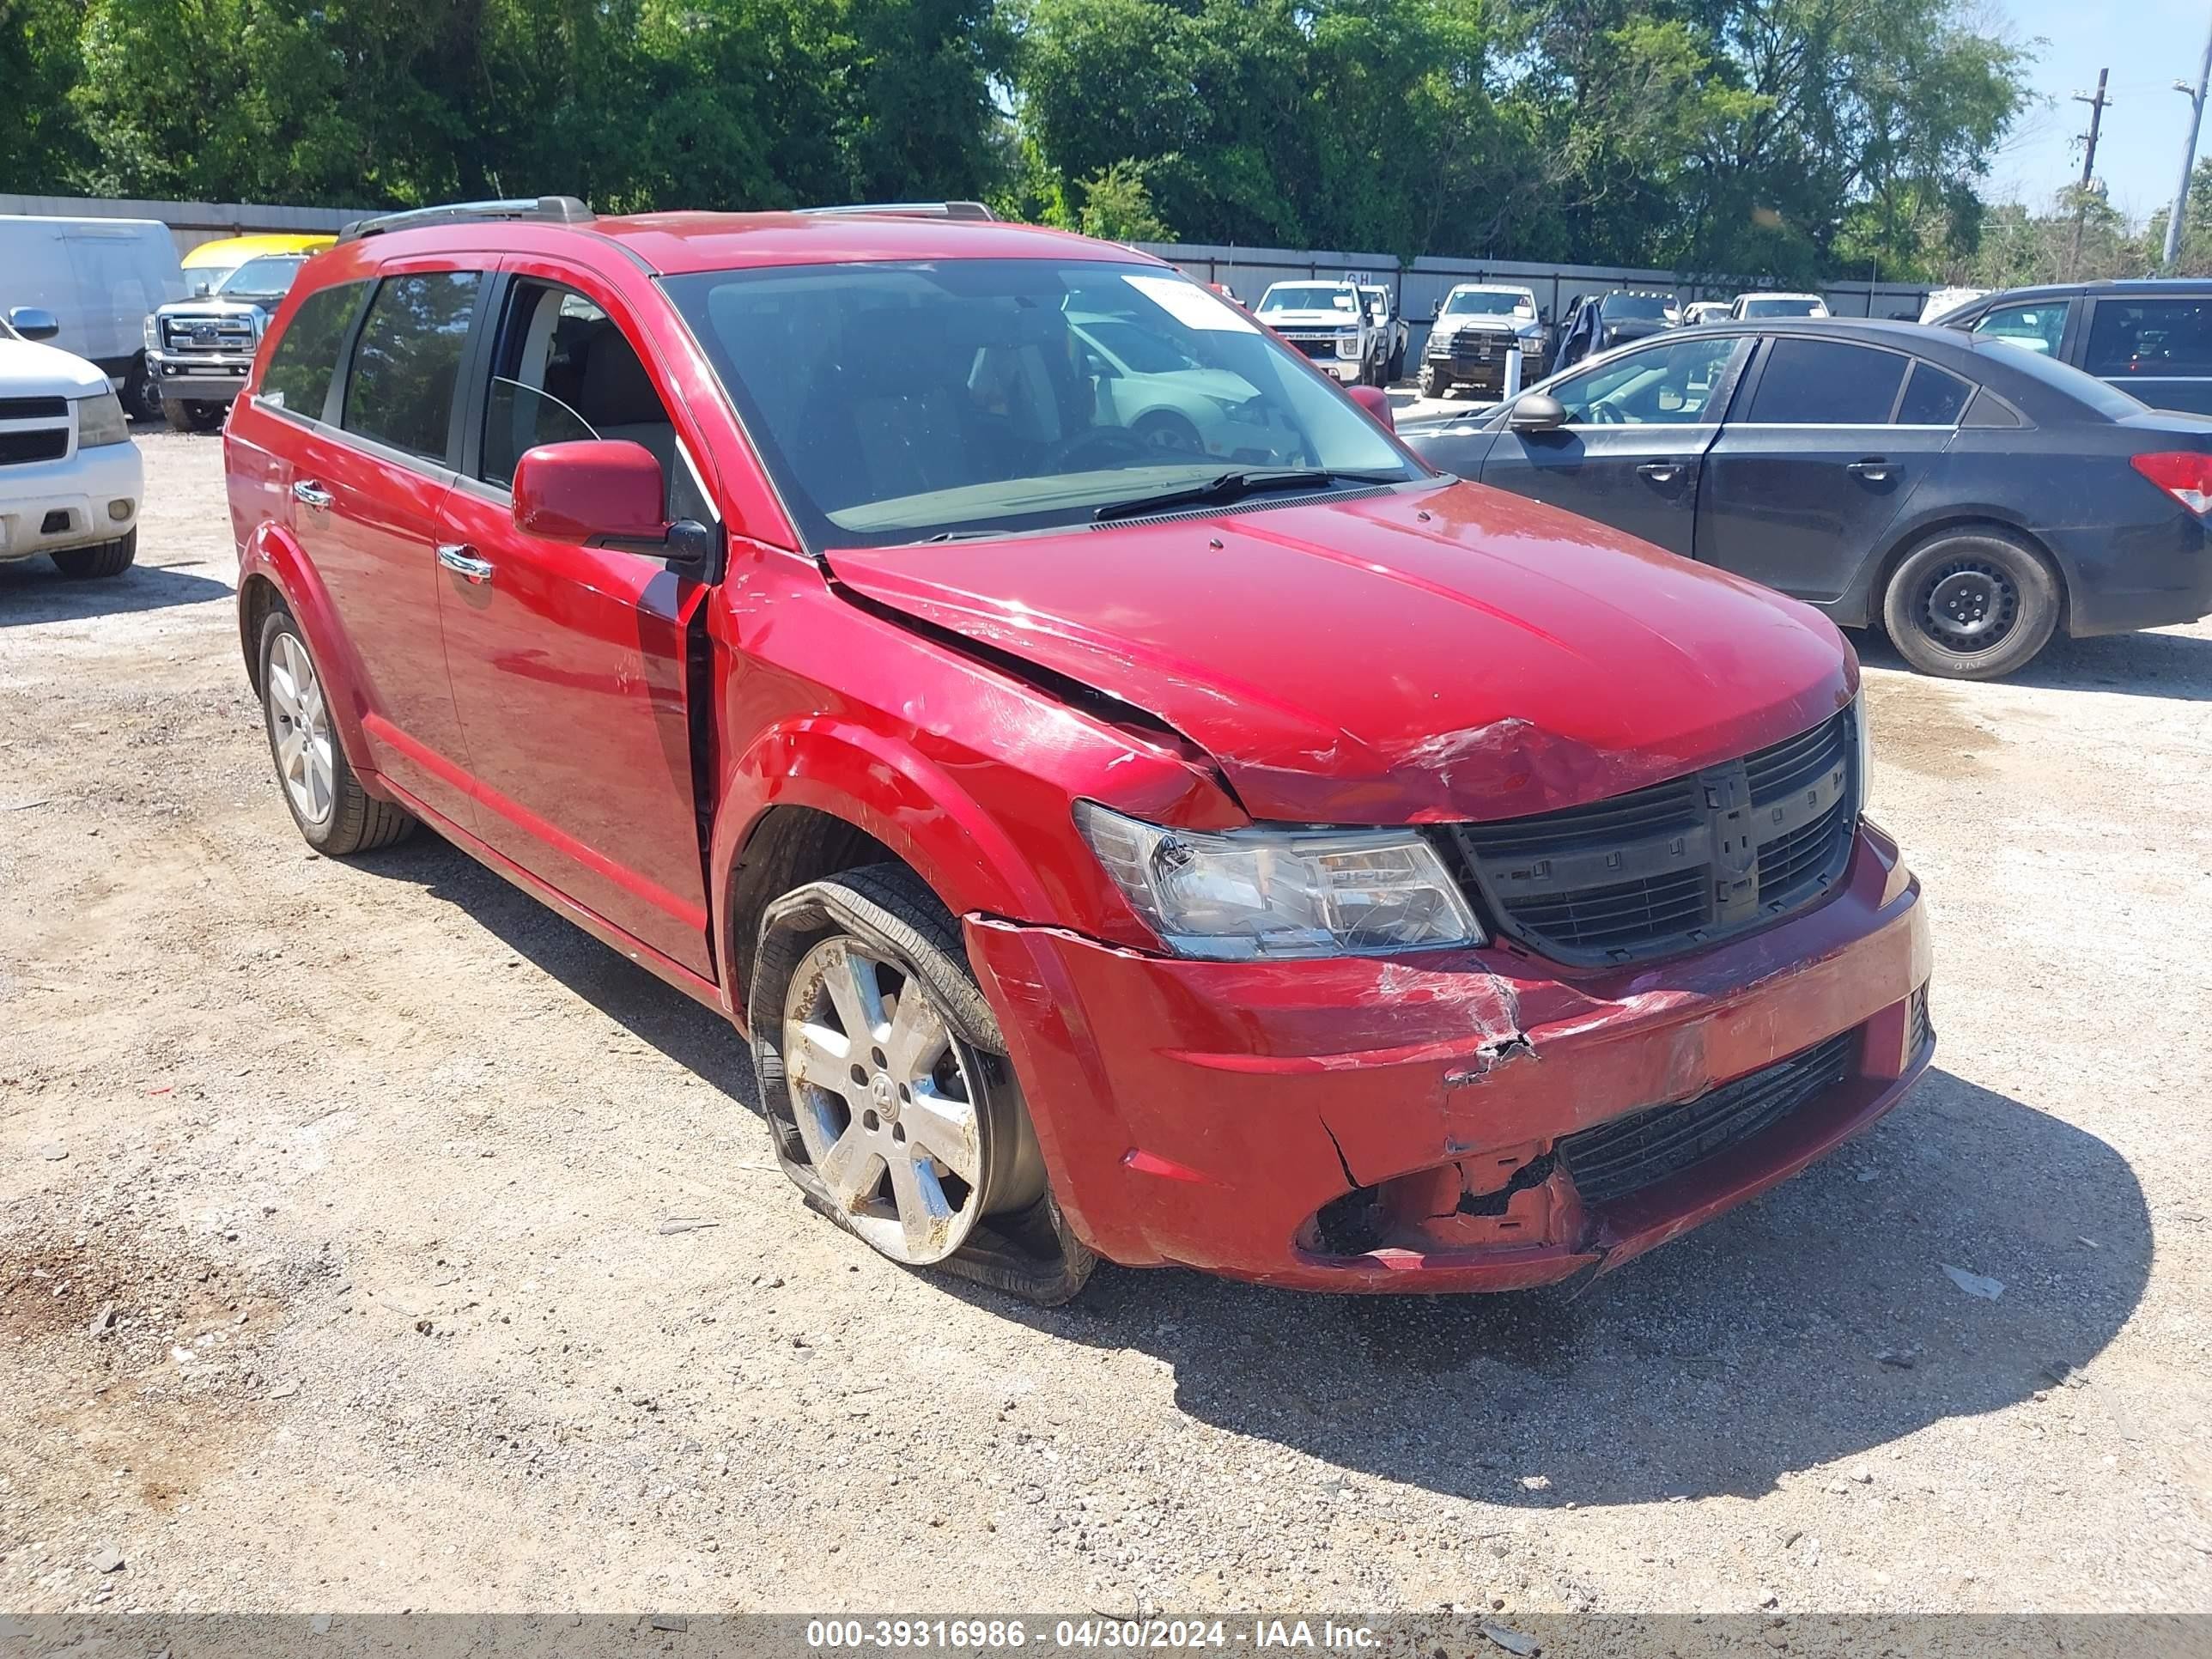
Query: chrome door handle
{"points": [[1873, 470], [1661, 472], [311, 493], [461, 559]]}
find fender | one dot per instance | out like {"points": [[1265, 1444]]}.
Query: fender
{"points": [[271, 552]]}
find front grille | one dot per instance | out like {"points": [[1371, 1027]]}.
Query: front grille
{"points": [[1678, 864], [208, 334], [21, 448], [1630, 1153], [34, 409], [1316, 348]]}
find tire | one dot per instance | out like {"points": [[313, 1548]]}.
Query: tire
{"points": [[1971, 604], [336, 816], [973, 1204], [1396, 372], [141, 396], [178, 415], [195, 416], [1431, 383], [92, 563], [1165, 429]]}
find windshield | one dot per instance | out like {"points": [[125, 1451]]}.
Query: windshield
{"points": [[269, 278], [897, 402], [1785, 307], [1307, 296], [1475, 303], [1636, 305]]}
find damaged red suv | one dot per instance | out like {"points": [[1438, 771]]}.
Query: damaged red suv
{"points": [[1133, 806]]}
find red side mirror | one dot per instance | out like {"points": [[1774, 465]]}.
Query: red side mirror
{"points": [[600, 489], [1376, 402]]}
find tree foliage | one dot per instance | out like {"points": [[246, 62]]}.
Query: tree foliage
{"points": [[1784, 138]]}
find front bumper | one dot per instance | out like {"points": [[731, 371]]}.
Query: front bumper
{"points": [[198, 378], [1208, 1114], [72, 493]]}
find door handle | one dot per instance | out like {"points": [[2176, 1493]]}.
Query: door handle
{"points": [[306, 491], [1873, 470], [461, 559], [1661, 472]]}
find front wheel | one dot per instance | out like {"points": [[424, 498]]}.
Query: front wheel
{"points": [[1396, 372], [108, 559], [1431, 383], [890, 1098], [1971, 605], [336, 816]]}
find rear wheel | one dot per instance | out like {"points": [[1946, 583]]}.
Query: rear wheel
{"points": [[887, 1088], [108, 559], [1971, 605], [336, 816]]}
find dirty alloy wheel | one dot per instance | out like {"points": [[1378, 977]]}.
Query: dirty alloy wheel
{"points": [[888, 1096], [1970, 605], [335, 816], [1431, 383], [1165, 429]]}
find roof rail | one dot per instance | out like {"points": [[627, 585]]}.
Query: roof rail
{"points": [[556, 210], [912, 209]]}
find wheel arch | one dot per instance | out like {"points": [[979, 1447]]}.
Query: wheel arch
{"points": [[1882, 569], [274, 573]]}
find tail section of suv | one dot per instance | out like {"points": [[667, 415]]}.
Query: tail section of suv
{"points": [[787, 600], [2150, 338]]}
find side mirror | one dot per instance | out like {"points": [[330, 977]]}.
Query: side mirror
{"points": [[34, 323], [1376, 402], [1539, 411], [607, 492]]}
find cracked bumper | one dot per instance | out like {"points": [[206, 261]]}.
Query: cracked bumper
{"points": [[1207, 1114]]}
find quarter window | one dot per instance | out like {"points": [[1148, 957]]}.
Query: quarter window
{"points": [[1671, 384], [306, 357], [401, 390], [2037, 327], [1933, 397], [1810, 382], [2151, 338]]}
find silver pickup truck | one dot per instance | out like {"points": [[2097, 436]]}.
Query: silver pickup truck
{"points": [[199, 351]]}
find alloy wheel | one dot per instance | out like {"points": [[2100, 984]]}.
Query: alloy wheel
{"points": [[884, 1100], [302, 730]]}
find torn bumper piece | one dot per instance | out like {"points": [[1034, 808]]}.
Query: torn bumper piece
{"points": [[1419, 1122]]}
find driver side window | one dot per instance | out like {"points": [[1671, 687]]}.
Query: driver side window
{"points": [[1670, 385]]}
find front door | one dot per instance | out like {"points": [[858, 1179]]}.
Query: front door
{"points": [[570, 664], [1638, 429], [1799, 493]]}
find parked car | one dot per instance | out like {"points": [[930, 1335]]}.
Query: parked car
{"points": [[199, 351], [71, 478], [1476, 328], [97, 278], [1167, 397], [1611, 319], [1941, 302], [2153, 339], [1758, 307], [209, 263], [1396, 334], [772, 597], [1971, 498], [1706, 310], [1329, 323]]}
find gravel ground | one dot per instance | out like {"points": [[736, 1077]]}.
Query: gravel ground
{"points": [[333, 1271]]}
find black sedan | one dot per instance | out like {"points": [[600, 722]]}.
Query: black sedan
{"points": [[1971, 497]]}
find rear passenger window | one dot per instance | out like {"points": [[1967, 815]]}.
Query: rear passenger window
{"points": [[1933, 397], [401, 390], [306, 357], [1826, 383], [2151, 338]]}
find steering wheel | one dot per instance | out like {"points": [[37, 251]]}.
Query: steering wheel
{"points": [[1112, 443], [1606, 415]]}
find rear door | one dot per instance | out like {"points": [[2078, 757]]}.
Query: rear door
{"points": [[1834, 443], [1638, 429], [365, 491], [2158, 349], [569, 664]]}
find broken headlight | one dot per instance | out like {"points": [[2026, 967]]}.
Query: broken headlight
{"points": [[1246, 895]]}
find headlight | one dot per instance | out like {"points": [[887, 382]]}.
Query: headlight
{"points": [[153, 334], [1866, 745], [100, 421], [1245, 893]]}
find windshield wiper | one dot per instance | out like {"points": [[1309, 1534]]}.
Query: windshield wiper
{"points": [[1233, 487]]}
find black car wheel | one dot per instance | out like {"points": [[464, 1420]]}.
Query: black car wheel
{"points": [[1971, 605]]}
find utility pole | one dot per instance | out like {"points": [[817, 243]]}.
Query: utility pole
{"points": [[2089, 164], [2188, 153]]}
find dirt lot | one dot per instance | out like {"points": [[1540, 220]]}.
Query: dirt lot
{"points": [[333, 1274]]}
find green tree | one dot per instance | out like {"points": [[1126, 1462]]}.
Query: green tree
{"points": [[1118, 208]]}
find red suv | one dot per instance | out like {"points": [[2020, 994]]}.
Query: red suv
{"points": [[1134, 806]]}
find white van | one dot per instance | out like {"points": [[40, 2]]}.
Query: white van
{"points": [[101, 278]]}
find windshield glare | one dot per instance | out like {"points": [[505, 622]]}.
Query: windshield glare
{"points": [[1464, 304], [269, 277], [1301, 296], [896, 402]]}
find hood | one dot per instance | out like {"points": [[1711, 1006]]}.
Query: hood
{"points": [[212, 307], [1423, 655], [1476, 322], [28, 369], [1310, 319]]}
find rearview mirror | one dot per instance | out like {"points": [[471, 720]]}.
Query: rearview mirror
{"points": [[34, 322], [607, 492], [1375, 402], [1539, 411]]}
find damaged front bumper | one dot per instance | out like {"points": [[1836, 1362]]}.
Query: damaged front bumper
{"points": [[1418, 1122]]}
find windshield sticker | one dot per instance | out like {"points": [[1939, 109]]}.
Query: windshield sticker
{"points": [[1190, 304]]}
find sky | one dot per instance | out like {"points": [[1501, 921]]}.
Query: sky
{"points": [[2148, 44]]}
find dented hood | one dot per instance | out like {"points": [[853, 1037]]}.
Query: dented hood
{"points": [[1426, 654]]}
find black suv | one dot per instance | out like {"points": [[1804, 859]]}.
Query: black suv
{"points": [[2153, 339]]}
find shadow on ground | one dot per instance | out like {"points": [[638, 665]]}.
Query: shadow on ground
{"points": [[2154, 664], [33, 591], [1748, 1350]]}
